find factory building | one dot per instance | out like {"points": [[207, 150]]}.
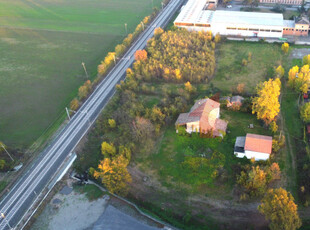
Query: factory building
{"points": [[195, 16]]}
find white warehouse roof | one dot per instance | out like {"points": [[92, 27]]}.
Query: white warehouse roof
{"points": [[247, 18], [191, 11]]}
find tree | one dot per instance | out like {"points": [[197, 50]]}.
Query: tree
{"points": [[300, 81], [279, 208], [252, 3], [217, 38], [74, 104], [240, 88], [305, 112], [2, 164], [114, 174], [306, 60], [285, 47], [189, 88], [141, 55], [273, 127], [254, 181], [108, 150], [279, 71], [266, 105], [274, 171], [112, 123]]}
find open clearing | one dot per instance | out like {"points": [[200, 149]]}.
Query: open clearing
{"points": [[43, 43]]}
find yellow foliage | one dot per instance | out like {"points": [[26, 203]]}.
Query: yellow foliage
{"points": [[279, 208], [285, 47], [114, 174], [266, 105]]}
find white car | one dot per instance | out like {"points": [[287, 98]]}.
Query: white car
{"points": [[229, 6]]}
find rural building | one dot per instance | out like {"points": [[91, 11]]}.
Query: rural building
{"points": [[203, 118], [297, 27], [196, 16], [233, 101], [284, 2], [254, 146]]}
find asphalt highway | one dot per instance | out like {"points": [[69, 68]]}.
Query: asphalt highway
{"points": [[25, 192]]}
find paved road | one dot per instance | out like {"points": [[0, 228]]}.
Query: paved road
{"points": [[24, 193]]}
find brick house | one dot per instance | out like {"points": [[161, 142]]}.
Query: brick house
{"points": [[297, 27], [203, 118]]}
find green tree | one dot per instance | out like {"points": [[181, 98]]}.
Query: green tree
{"points": [[112, 123], [254, 181], [305, 112], [279, 208], [108, 150], [306, 60]]}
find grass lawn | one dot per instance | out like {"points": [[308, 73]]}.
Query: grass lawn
{"points": [[230, 71], [173, 148], [294, 134], [43, 44], [92, 192]]}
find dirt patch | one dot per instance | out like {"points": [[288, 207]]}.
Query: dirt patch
{"points": [[226, 214]]}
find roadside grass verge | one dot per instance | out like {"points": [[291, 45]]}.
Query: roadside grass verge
{"points": [[92, 192]]}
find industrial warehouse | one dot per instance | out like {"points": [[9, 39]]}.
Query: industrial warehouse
{"points": [[195, 16]]}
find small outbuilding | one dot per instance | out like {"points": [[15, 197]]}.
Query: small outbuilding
{"points": [[254, 146]]}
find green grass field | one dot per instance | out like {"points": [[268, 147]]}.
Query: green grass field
{"points": [[43, 43], [230, 71]]}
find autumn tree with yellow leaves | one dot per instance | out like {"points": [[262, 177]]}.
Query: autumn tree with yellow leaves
{"points": [[299, 80], [266, 105], [279, 208], [112, 170], [285, 47], [114, 174]]}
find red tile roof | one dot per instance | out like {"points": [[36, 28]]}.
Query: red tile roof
{"points": [[258, 143], [308, 128]]}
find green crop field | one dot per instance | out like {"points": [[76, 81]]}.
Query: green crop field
{"points": [[42, 44]]}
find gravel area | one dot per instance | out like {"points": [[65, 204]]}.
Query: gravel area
{"points": [[70, 211], [299, 53]]}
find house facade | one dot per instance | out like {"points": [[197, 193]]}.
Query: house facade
{"points": [[203, 118], [254, 146], [297, 27], [284, 2]]}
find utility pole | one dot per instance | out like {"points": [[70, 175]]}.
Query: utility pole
{"points": [[126, 28], [83, 64], [6, 151], [162, 5], [68, 114]]}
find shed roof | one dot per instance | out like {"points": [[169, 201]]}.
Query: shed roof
{"points": [[258, 143], [289, 23]]}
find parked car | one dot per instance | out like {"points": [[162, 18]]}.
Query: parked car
{"points": [[229, 6]]}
